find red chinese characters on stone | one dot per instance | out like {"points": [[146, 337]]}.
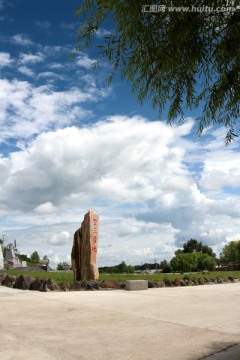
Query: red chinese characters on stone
{"points": [[94, 234], [95, 231], [95, 226]]}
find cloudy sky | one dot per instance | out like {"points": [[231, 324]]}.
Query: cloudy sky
{"points": [[70, 142]]}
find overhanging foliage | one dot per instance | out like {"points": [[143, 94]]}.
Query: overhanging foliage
{"points": [[179, 59]]}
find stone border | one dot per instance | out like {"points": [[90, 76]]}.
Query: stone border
{"points": [[27, 282]]}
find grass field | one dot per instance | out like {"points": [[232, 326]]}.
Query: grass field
{"points": [[61, 277]]}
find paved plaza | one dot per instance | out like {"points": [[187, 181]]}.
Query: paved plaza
{"points": [[156, 324]]}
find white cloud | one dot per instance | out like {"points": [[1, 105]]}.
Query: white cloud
{"points": [[122, 160], [55, 50], [21, 39], [220, 169], [31, 58], [60, 239], [26, 71], [235, 237], [133, 173], [144, 252], [101, 32], [69, 26], [56, 66], [84, 61], [37, 238], [5, 59], [27, 110], [129, 161], [55, 259], [43, 24], [50, 74], [46, 208]]}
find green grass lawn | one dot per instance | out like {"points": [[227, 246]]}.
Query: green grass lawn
{"points": [[61, 277]]}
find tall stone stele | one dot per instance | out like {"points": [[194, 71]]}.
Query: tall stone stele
{"points": [[84, 250]]}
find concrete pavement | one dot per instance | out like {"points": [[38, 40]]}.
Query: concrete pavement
{"points": [[167, 323]]}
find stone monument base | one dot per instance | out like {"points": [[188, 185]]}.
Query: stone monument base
{"points": [[136, 285]]}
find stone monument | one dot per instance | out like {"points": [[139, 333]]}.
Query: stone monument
{"points": [[84, 250], [12, 253]]}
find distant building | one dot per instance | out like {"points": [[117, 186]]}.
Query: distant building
{"points": [[43, 264], [1, 258], [231, 266], [66, 266]]}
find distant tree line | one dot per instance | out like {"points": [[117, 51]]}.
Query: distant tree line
{"points": [[128, 269], [194, 256], [231, 253], [117, 269], [33, 259], [63, 266]]}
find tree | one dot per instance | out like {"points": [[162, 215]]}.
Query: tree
{"points": [[231, 252], [165, 266], [129, 269], [180, 59], [192, 262], [60, 266], [35, 257], [184, 262], [205, 262], [23, 257], [179, 251], [192, 246], [208, 250], [122, 267]]}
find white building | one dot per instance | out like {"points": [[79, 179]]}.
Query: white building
{"points": [[11, 256], [1, 258]]}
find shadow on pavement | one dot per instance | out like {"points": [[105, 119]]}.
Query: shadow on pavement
{"points": [[223, 351]]}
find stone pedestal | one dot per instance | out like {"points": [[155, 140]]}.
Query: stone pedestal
{"points": [[136, 285], [84, 250]]}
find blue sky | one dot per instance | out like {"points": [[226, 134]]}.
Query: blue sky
{"points": [[69, 142]]}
